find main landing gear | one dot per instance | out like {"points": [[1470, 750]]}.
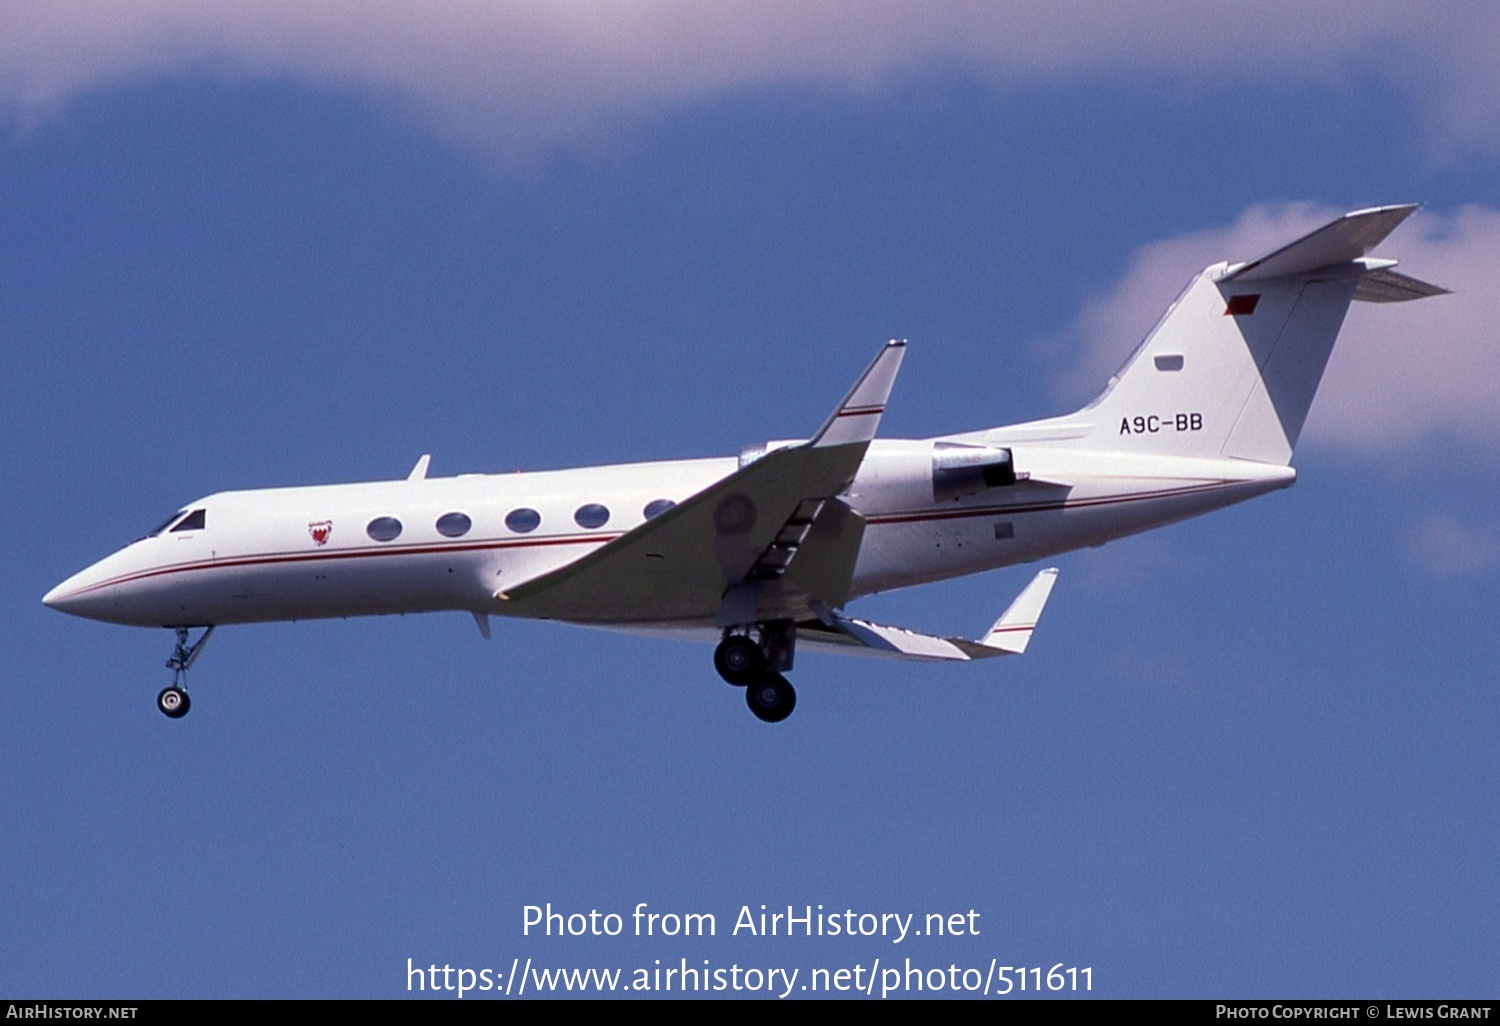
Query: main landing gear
{"points": [[173, 699], [772, 698], [757, 665]]}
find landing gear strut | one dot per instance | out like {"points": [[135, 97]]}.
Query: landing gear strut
{"points": [[757, 664], [173, 699]]}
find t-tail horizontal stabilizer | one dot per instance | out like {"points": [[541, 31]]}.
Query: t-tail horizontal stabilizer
{"points": [[1009, 635], [1338, 242], [1346, 242]]}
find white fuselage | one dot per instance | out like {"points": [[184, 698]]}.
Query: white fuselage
{"points": [[303, 553]]}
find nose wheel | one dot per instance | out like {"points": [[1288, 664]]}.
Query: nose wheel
{"points": [[173, 702], [173, 699]]}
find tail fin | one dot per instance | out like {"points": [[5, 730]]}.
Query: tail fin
{"points": [[1232, 368]]}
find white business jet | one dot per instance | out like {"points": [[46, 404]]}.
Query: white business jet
{"points": [[762, 553]]}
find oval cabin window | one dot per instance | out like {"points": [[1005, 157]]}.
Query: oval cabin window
{"points": [[454, 525], [384, 529], [657, 507], [591, 516], [523, 521]]}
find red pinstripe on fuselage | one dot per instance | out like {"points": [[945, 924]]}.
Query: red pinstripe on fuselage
{"points": [[378, 578]]}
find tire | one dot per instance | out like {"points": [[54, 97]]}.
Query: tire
{"points": [[772, 698], [739, 660], [173, 702]]}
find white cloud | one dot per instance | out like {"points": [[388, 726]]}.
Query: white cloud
{"points": [[1401, 373], [1447, 548], [525, 74], [1404, 373]]}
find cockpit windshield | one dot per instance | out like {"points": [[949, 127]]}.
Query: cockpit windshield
{"points": [[194, 521], [165, 524], [182, 520]]}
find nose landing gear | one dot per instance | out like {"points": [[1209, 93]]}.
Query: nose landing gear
{"points": [[173, 699], [757, 666]]}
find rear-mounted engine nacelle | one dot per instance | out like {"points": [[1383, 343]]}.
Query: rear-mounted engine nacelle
{"points": [[959, 469]]}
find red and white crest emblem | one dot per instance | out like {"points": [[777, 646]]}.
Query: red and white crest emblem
{"points": [[320, 531]]}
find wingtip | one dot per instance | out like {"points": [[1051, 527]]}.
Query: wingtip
{"points": [[1012, 632], [857, 418], [1386, 208]]}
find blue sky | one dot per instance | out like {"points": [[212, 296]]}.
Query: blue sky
{"points": [[1250, 755]]}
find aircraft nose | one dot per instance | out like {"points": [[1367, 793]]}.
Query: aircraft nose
{"points": [[109, 591], [64, 598], [82, 594]]}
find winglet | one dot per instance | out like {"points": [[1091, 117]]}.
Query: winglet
{"points": [[1013, 630], [858, 416], [419, 472]]}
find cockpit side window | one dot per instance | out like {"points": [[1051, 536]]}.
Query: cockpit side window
{"points": [[194, 521], [159, 528]]}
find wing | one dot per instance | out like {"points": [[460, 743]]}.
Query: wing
{"points": [[770, 541], [1009, 635]]}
